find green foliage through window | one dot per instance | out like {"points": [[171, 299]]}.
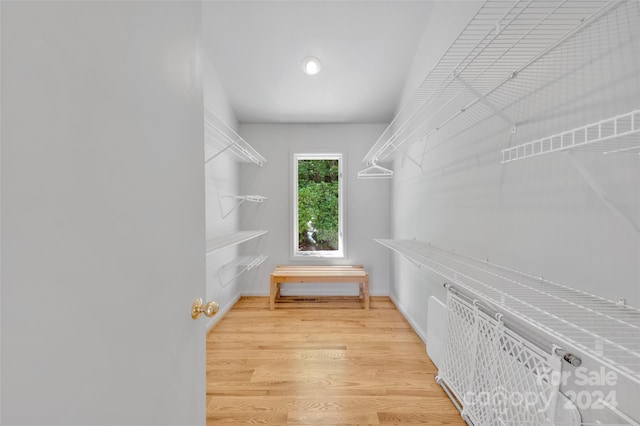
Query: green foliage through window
{"points": [[318, 205]]}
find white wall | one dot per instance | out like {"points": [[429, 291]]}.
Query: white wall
{"points": [[367, 201], [221, 178], [537, 215], [445, 22], [102, 214]]}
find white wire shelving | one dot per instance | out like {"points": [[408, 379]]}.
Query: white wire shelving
{"points": [[220, 138], [600, 328], [613, 135], [215, 244], [495, 63], [241, 199], [232, 270]]}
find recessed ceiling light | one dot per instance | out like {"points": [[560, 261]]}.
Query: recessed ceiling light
{"points": [[311, 65]]}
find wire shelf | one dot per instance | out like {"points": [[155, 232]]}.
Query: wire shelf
{"points": [[239, 199], [613, 135], [599, 327], [220, 138], [230, 240], [232, 270], [480, 76], [251, 198]]}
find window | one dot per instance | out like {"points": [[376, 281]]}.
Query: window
{"points": [[317, 205]]}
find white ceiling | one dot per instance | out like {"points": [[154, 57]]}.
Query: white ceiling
{"points": [[365, 47]]}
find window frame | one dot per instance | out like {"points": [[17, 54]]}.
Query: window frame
{"points": [[319, 254]]}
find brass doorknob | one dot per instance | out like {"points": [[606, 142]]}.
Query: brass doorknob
{"points": [[209, 309]]}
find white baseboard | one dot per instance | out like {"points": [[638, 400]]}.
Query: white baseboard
{"points": [[256, 293], [217, 317], [419, 331]]}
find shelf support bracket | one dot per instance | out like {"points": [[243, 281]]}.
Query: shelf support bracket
{"points": [[601, 193], [488, 103], [408, 157], [219, 152], [238, 200], [423, 140]]}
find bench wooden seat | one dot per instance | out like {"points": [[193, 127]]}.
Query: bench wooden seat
{"points": [[315, 274]]}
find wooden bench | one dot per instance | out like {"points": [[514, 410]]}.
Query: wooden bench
{"points": [[318, 274]]}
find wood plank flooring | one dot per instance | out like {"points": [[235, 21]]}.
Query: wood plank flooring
{"points": [[328, 362]]}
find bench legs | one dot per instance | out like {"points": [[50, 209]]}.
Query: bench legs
{"points": [[363, 293], [272, 294], [366, 294]]}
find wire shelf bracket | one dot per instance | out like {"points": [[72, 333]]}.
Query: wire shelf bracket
{"points": [[612, 135], [221, 138], [482, 98], [602, 195], [239, 200]]}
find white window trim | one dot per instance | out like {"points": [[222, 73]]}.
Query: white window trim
{"points": [[332, 254]]}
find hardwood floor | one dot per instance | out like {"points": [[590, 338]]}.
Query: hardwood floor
{"points": [[326, 363]]}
